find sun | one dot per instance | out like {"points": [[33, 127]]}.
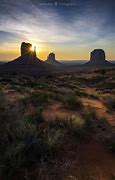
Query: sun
{"points": [[33, 47]]}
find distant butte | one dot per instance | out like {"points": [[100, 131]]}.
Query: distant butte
{"points": [[97, 55], [26, 48], [98, 58], [52, 60], [27, 63]]}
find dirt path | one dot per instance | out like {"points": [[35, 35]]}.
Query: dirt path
{"points": [[56, 109], [94, 162], [100, 109]]}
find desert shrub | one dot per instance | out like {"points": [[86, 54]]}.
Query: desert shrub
{"points": [[35, 117], [90, 125], [32, 147], [81, 93], [110, 143], [39, 98], [56, 96], [3, 101], [94, 95], [76, 131], [81, 127], [109, 102], [19, 88], [103, 124], [63, 91], [6, 80], [73, 102], [58, 124], [25, 140], [36, 99], [94, 123], [89, 113], [72, 126], [28, 147]]}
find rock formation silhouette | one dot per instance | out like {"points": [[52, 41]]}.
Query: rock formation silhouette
{"points": [[26, 48], [51, 57], [52, 60], [97, 55], [98, 58], [28, 56], [27, 63]]}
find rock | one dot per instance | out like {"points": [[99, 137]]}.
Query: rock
{"points": [[98, 59], [51, 57], [51, 60], [25, 48], [27, 63], [97, 55]]}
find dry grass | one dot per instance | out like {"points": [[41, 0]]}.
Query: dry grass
{"points": [[35, 148]]}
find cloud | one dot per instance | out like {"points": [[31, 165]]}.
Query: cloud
{"points": [[86, 25]]}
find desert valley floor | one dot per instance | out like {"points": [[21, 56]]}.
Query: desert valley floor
{"points": [[60, 126]]}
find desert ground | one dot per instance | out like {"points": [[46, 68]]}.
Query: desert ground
{"points": [[58, 127]]}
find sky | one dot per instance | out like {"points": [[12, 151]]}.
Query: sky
{"points": [[69, 28]]}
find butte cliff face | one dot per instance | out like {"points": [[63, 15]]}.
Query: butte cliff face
{"points": [[51, 57], [52, 60], [28, 56], [98, 58], [27, 63], [26, 49]]}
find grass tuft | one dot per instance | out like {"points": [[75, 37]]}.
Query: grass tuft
{"points": [[73, 102], [109, 102]]}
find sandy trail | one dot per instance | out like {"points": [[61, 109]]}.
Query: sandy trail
{"points": [[93, 161], [56, 109], [100, 109]]}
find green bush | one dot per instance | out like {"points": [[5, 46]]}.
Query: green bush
{"points": [[35, 117], [89, 113], [109, 102], [72, 126], [94, 123], [73, 102], [110, 143], [25, 140], [36, 99], [103, 124], [56, 96], [94, 96]]}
